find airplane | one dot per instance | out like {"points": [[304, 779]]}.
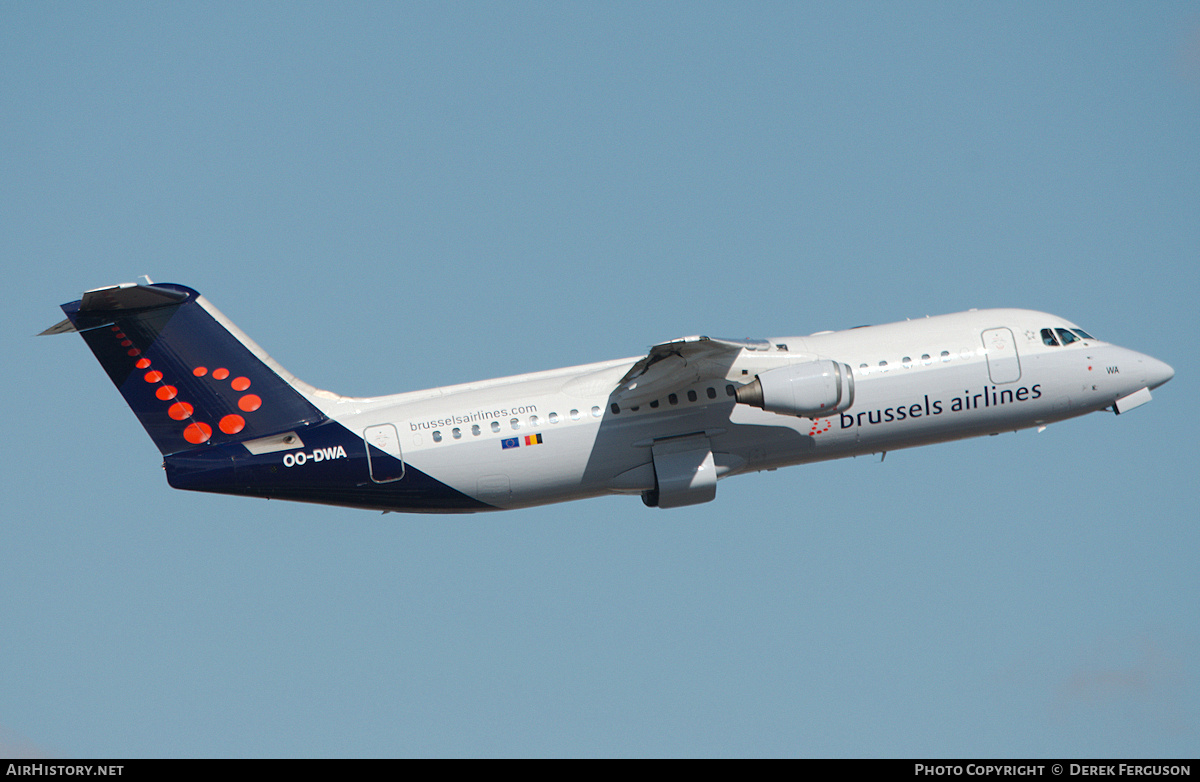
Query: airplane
{"points": [[666, 426]]}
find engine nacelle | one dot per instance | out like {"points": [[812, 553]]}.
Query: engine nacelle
{"points": [[814, 389]]}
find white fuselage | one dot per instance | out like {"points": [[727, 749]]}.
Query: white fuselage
{"points": [[916, 382]]}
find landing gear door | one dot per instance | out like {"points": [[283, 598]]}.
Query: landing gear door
{"points": [[1004, 366], [684, 471], [383, 453]]}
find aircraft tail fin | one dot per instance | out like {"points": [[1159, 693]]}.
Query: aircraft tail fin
{"points": [[190, 375]]}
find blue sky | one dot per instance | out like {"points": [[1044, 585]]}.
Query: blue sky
{"points": [[395, 196]]}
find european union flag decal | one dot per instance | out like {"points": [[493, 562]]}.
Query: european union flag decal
{"points": [[512, 442]]}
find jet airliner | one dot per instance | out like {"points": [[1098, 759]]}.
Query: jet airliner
{"points": [[666, 426]]}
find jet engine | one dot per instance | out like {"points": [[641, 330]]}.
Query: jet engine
{"points": [[814, 389]]}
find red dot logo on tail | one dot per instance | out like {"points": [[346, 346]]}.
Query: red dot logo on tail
{"points": [[197, 432], [180, 411], [232, 424]]}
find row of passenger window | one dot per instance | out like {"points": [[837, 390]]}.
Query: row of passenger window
{"points": [[908, 363], [553, 418], [515, 423], [673, 399]]}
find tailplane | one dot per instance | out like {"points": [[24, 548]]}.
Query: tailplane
{"points": [[191, 377]]}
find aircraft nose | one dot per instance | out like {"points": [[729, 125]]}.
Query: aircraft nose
{"points": [[1157, 372]]}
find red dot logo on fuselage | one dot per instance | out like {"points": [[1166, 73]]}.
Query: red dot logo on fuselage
{"points": [[820, 426]]}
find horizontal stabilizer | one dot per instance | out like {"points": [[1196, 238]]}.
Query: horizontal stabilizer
{"points": [[64, 326], [129, 296], [99, 305]]}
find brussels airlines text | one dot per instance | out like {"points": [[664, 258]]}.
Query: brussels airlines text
{"points": [[991, 396]]}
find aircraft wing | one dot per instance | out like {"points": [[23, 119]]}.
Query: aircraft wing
{"points": [[680, 362]]}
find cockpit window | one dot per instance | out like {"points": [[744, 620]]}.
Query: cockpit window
{"points": [[1066, 336], [1084, 334], [1048, 337]]}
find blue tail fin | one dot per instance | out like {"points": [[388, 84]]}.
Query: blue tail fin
{"points": [[190, 380]]}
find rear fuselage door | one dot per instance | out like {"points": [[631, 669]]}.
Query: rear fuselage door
{"points": [[1004, 365], [383, 453]]}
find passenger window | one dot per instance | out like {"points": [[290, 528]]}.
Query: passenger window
{"points": [[553, 418], [515, 423], [654, 404], [1066, 336], [945, 356], [673, 399], [691, 396], [1048, 338], [596, 411], [883, 367], [457, 433], [730, 390], [437, 437], [712, 392], [475, 430], [925, 359], [866, 370], [533, 420], [616, 409], [574, 415], [906, 361], [495, 426]]}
